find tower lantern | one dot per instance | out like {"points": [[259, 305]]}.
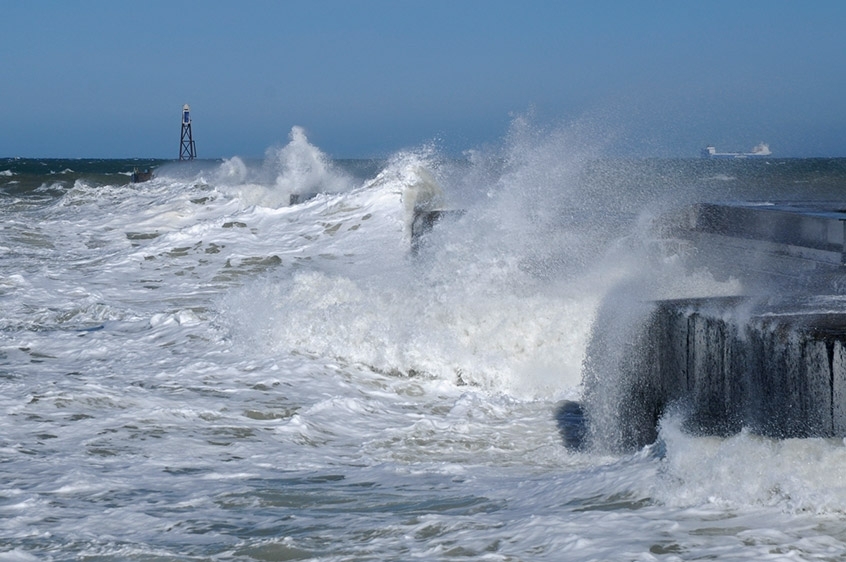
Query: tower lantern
{"points": [[187, 149]]}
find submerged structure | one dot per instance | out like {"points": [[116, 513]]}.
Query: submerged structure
{"points": [[772, 361], [187, 148], [139, 176]]}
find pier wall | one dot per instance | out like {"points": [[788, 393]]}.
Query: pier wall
{"points": [[797, 245], [774, 363], [727, 364]]}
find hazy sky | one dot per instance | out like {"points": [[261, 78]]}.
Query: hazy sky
{"points": [[366, 78]]}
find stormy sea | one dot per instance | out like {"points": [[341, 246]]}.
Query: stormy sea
{"points": [[261, 359]]}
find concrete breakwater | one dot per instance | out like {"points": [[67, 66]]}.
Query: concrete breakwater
{"points": [[800, 245], [776, 367], [774, 363]]}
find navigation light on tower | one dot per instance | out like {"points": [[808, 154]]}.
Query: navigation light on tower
{"points": [[187, 149]]}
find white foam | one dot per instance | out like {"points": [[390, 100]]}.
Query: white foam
{"points": [[303, 168], [193, 367], [793, 475]]}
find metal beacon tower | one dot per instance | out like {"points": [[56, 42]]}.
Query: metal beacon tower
{"points": [[187, 149]]}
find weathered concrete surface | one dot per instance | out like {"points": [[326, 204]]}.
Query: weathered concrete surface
{"points": [[777, 368], [779, 243], [774, 364]]}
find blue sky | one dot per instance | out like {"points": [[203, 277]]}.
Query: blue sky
{"points": [[367, 78]]}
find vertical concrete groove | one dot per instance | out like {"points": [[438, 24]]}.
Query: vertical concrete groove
{"points": [[779, 375], [829, 351]]}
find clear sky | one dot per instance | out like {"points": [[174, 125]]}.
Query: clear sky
{"points": [[366, 78]]}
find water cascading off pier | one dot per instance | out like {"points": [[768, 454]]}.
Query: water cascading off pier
{"points": [[772, 361]]}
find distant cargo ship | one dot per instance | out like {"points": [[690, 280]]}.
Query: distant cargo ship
{"points": [[757, 152]]}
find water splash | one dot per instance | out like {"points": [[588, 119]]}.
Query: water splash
{"points": [[501, 299], [794, 475], [297, 168], [301, 168]]}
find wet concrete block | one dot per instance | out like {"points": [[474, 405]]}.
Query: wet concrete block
{"points": [[779, 371]]}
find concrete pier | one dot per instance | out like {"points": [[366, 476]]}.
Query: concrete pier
{"points": [[775, 364], [424, 220], [777, 368], [781, 242]]}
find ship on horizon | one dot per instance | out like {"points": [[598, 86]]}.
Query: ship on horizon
{"points": [[758, 151]]}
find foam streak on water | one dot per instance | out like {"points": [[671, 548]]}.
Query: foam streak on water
{"points": [[193, 369]]}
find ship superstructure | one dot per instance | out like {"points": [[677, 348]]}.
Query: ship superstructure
{"points": [[759, 151]]}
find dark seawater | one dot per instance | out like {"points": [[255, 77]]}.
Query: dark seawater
{"points": [[20, 175], [786, 178], [191, 368]]}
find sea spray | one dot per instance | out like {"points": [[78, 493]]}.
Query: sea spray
{"points": [[794, 475], [159, 399], [300, 167], [296, 168], [502, 299], [410, 174]]}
